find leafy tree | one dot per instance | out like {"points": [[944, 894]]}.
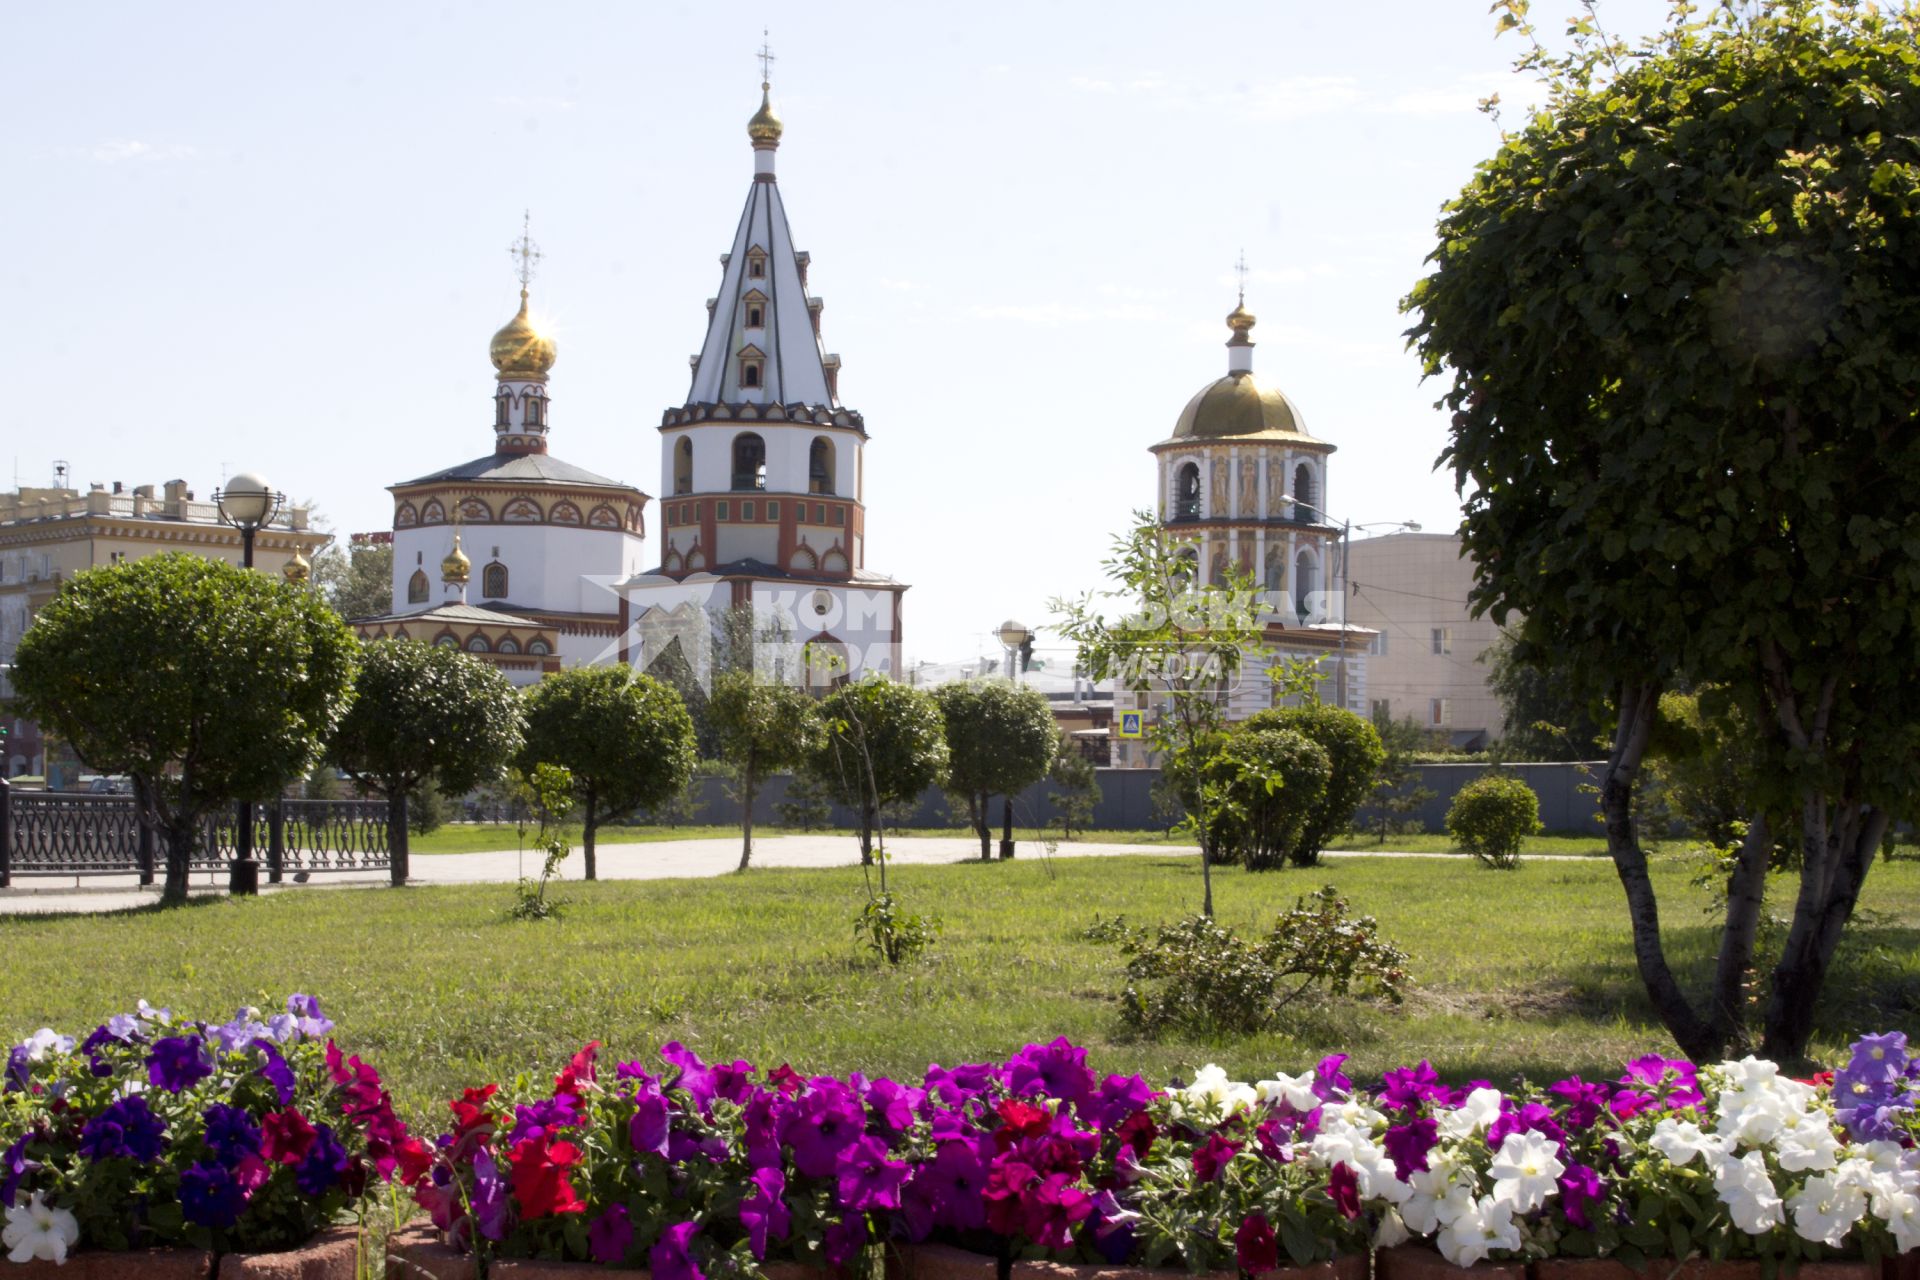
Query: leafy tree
{"points": [[1492, 817], [761, 728], [674, 669], [1178, 642], [1266, 784], [881, 742], [203, 683], [424, 711], [625, 740], [806, 804], [1547, 717], [1000, 740], [1677, 315], [1396, 790], [357, 582], [1075, 786], [1354, 753], [1166, 809]]}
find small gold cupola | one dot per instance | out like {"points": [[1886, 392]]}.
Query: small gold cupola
{"points": [[297, 570], [765, 128], [519, 350], [456, 568]]}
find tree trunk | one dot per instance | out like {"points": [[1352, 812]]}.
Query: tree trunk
{"points": [[977, 811], [1829, 888], [749, 784], [866, 836], [397, 835], [180, 834], [1746, 889], [589, 827]]}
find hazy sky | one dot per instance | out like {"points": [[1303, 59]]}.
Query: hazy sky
{"points": [[274, 237]]}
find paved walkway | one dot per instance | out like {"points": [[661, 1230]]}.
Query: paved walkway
{"points": [[648, 860]]}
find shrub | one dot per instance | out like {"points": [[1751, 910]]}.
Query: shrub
{"points": [[893, 935], [1203, 977], [1264, 785], [1354, 751], [1492, 816]]}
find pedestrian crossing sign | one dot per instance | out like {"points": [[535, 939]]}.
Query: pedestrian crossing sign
{"points": [[1130, 724]]}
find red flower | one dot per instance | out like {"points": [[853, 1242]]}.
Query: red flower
{"points": [[1019, 1119], [1138, 1132], [470, 1110], [578, 1071], [1343, 1185], [1007, 1185], [540, 1185], [416, 1161], [285, 1137], [1255, 1243], [1212, 1157], [786, 1079]]}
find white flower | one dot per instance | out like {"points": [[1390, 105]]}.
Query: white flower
{"points": [[162, 1016], [1824, 1209], [1481, 1109], [1296, 1091], [1681, 1140], [34, 1231], [1212, 1090], [1805, 1141], [1902, 1214], [1525, 1170], [1440, 1193], [1391, 1231], [46, 1040], [1744, 1187], [1484, 1226]]}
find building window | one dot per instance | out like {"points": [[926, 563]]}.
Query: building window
{"points": [[749, 461], [756, 265], [1442, 640], [819, 513], [507, 646], [1186, 492], [533, 410], [538, 648], [500, 418], [417, 588], [773, 512], [1378, 646], [477, 645], [493, 581], [820, 466], [839, 516], [1304, 584], [722, 511], [749, 375], [1382, 711], [1439, 712], [754, 318], [1304, 495], [683, 465], [746, 512]]}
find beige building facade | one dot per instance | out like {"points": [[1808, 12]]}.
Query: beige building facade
{"points": [[47, 535], [1425, 660]]}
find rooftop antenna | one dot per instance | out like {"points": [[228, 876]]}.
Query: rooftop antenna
{"points": [[1240, 269], [766, 60], [525, 251]]}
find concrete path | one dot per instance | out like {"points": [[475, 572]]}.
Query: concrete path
{"points": [[648, 860]]}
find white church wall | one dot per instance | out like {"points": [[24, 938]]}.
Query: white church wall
{"points": [[567, 570]]}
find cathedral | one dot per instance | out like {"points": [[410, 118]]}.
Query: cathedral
{"points": [[531, 564]]}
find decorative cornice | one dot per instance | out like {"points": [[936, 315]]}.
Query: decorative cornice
{"points": [[799, 415]]}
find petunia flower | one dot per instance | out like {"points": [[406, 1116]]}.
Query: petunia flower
{"points": [[36, 1231], [178, 1062], [14, 1167], [610, 1235], [671, 1258], [128, 1129], [539, 1177], [764, 1212], [1255, 1245], [286, 1136], [210, 1196], [1526, 1170]]}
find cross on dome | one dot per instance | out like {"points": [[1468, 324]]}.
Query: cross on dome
{"points": [[525, 251], [766, 59]]}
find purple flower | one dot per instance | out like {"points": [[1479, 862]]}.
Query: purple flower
{"points": [[672, 1257], [306, 1011], [1410, 1086], [1584, 1102], [1657, 1081], [126, 1130], [491, 1198], [1580, 1190], [844, 1239], [124, 1027], [238, 1034], [650, 1124], [1112, 1232], [958, 1085], [210, 1196], [91, 1047], [952, 1183], [1328, 1084], [1213, 1156], [1052, 1211], [760, 1130], [695, 1076], [548, 1115], [231, 1134], [275, 1071], [821, 1123], [1056, 1070], [764, 1211], [1535, 1116], [1118, 1098], [868, 1179], [326, 1161], [14, 1167], [1409, 1144], [178, 1062], [732, 1081], [1872, 1122], [17, 1068], [891, 1105], [610, 1235]]}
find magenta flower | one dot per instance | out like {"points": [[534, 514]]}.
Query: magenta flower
{"points": [[545, 1117], [1052, 1209], [1213, 1156], [823, 1122], [1328, 1083], [610, 1235], [868, 1179], [764, 1212], [1055, 1070], [672, 1257], [695, 1076], [1255, 1246], [1410, 1086], [650, 1125], [844, 1239], [1580, 1190], [1343, 1188], [1409, 1144], [1584, 1102], [954, 1185], [1519, 1119], [1117, 1099]]}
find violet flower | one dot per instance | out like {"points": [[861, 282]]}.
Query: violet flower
{"points": [[672, 1257], [652, 1120], [1580, 1190], [1409, 1144], [126, 1130], [868, 1179], [764, 1211], [492, 1199], [14, 1167], [210, 1196], [275, 1071], [610, 1235], [178, 1062], [230, 1134]]}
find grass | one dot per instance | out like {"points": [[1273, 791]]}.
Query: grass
{"points": [[487, 837], [1525, 971]]}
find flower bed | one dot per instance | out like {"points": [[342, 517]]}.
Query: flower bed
{"points": [[204, 1146]]}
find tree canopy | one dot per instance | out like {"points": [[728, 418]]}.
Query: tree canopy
{"points": [[881, 743], [1677, 314], [1000, 740], [203, 682], [357, 582], [1354, 755], [761, 728]]}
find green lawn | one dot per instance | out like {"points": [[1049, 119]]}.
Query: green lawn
{"points": [[485, 837], [1527, 971]]}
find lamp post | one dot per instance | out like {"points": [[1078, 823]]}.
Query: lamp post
{"points": [[1012, 635], [1346, 542], [247, 503]]}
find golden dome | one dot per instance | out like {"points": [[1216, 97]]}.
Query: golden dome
{"points": [[1240, 319], [519, 350], [456, 568], [298, 569], [765, 127], [1238, 407]]}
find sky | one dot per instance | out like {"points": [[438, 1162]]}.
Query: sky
{"points": [[274, 238]]}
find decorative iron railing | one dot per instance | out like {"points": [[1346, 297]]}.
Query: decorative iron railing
{"points": [[73, 834]]}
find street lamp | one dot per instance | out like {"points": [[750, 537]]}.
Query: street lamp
{"points": [[1346, 542], [247, 503], [1012, 635]]}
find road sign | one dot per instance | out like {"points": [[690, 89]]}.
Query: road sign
{"points": [[1130, 723]]}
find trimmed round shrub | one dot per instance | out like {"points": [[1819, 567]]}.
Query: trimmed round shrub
{"points": [[1353, 748], [1265, 784], [1492, 816]]}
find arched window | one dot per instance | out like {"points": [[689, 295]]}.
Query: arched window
{"points": [[493, 581], [1276, 571], [820, 466], [1305, 499], [500, 404], [417, 588], [564, 513], [834, 562], [474, 511], [538, 648], [406, 517], [683, 465], [433, 512], [521, 511], [1186, 492], [1305, 582], [804, 559], [536, 410], [477, 645], [507, 646], [603, 517], [446, 642], [749, 461]]}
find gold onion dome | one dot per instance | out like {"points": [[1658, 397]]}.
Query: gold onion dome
{"points": [[1237, 406], [765, 127], [298, 569], [1240, 319], [519, 350], [456, 567]]}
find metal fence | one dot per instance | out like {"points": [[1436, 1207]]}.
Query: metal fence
{"points": [[54, 833]]}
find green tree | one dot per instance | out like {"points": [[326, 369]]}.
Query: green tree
{"points": [[424, 712], [1000, 740], [203, 683], [1397, 792], [1547, 717], [625, 740], [1354, 753], [881, 742], [357, 582], [1075, 787], [761, 728], [1676, 314], [806, 804], [1177, 642], [1266, 784]]}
